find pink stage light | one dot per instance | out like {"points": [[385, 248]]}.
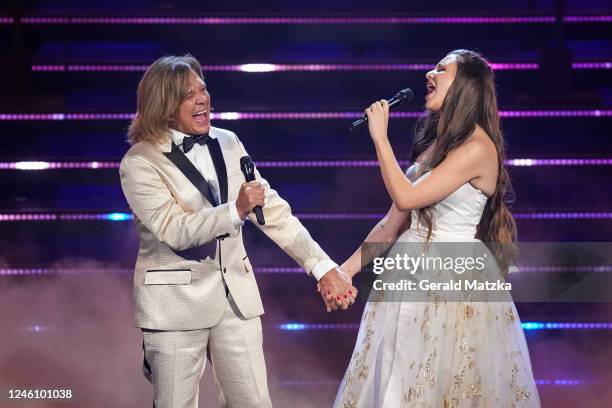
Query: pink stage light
{"points": [[543, 19], [292, 20], [297, 115], [121, 216], [266, 67], [270, 270], [43, 165]]}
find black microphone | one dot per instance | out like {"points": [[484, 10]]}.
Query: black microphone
{"points": [[405, 95], [248, 169]]}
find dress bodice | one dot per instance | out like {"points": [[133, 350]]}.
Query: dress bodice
{"points": [[456, 216]]}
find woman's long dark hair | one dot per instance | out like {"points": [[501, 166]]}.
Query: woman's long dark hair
{"points": [[471, 100]]}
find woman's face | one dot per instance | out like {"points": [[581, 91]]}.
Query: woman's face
{"points": [[438, 81]]}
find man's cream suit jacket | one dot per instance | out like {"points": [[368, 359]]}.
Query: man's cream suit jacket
{"points": [[180, 268]]}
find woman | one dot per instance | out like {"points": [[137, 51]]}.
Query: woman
{"points": [[443, 354]]}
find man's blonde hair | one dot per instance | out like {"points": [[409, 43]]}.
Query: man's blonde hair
{"points": [[161, 90]]}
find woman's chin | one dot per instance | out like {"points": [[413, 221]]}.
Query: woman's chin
{"points": [[431, 106]]}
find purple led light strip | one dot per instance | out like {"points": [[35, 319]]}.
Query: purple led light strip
{"points": [[263, 67], [526, 326], [544, 19], [298, 115], [266, 270], [304, 216], [63, 271], [44, 165], [378, 216], [354, 326], [335, 383], [296, 20]]}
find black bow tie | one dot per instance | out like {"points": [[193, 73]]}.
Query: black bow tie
{"points": [[189, 141]]}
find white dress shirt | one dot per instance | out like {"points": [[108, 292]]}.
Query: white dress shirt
{"points": [[200, 157]]}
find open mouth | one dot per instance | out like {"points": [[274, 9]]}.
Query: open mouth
{"points": [[430, 88], [201, 116]]}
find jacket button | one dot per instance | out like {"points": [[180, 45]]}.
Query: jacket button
{"points": [[224, 270]]}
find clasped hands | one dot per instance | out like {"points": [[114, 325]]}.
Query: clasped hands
{"points": [[337, 290]]}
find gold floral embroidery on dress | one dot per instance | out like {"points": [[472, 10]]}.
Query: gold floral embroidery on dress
{"points": [[358, 365], [349, 404], [468, 311], [520, 392], [510, 317], [472, 392], [428, 379], [450, 403], [415, 393], [426, 376], [466, 382]]}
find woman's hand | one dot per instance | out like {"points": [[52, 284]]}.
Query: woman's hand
{"points": [[378, 120], [341, 301]]}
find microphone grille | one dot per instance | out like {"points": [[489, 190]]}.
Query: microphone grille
{"points": [[246, 165], [407, 94]]}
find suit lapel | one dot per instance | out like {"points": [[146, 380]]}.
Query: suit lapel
{"points": [[217, 157], [177, 157]]}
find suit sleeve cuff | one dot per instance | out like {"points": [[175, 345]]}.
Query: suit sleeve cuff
{"points": [[322, 268], [234, 215]]}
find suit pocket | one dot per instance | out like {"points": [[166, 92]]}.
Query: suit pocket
{"points": [[168, 277], [247, 264]]}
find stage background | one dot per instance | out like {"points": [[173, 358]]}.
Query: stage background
{"points": [[67, 244]]}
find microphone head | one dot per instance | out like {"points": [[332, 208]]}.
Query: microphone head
{"points": [[247, 166], [405, 95]]}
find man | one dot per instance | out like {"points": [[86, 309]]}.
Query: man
{"points": [[194, 288]]}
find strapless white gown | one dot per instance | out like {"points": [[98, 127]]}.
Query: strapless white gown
{"points": [[440, 354]]}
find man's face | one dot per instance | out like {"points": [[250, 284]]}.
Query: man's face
{"points": [[193, 116]]}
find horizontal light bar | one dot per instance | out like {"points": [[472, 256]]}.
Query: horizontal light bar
{"points": [[63, 271], [557, 162], [265, 270], [65, 116], [120, 216], [335, 383], [317, 326], [524, 162], [525, 325], [563, 382], [264, 67], [563, 215], [544, 19], [43, 165], [297, 327], [564, 268], [378, 216], [66, 217], [587, 19], [119, 271], [592, 65], [297, 115], [565, 326]]}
